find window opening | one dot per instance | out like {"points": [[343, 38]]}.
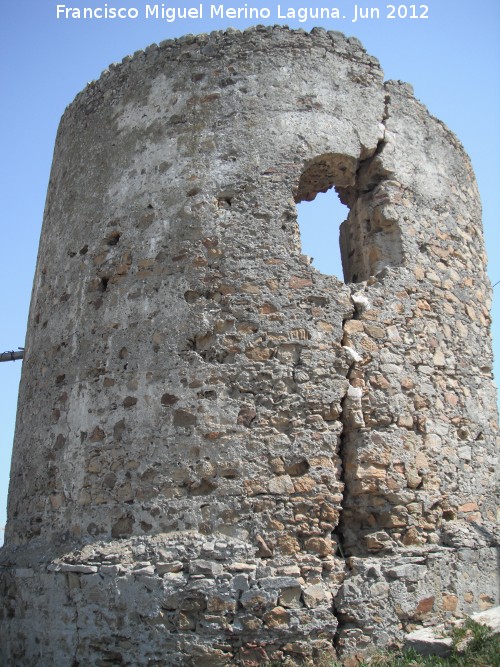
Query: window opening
{"points": [[370, 235], [319, 221]]}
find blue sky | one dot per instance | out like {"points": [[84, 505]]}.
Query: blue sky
{"points": [[452, 59]]}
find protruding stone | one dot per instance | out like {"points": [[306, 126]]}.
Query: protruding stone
{"points": [[316, 595], [426, 642]]}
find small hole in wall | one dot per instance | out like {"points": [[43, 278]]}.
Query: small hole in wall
{"points": [[319, 222], [113, 238], [224, 202]]}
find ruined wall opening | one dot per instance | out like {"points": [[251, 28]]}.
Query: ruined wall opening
{"points": [[319, 207], [370, 235], [319, 221]]}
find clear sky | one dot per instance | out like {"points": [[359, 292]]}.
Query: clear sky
{"points": [[452, 58]]}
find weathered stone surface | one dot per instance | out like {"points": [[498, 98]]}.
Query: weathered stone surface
{"points": [[426, 641], [435, 641], [491, 618], [221, 454]]}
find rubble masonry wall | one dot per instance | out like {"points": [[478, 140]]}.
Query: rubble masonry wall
{"points": [[223, 456]]}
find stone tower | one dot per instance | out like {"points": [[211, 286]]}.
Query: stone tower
{"points": [[223, 456]]}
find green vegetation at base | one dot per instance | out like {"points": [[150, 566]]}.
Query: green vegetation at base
{"points": [[474, 645]]}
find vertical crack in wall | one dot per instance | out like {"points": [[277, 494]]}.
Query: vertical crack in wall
{"points": [[351, 417], [362, 239], [370, 238], [370, 175]]}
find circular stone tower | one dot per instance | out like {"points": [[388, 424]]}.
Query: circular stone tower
{"points": [[223, 456]]}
